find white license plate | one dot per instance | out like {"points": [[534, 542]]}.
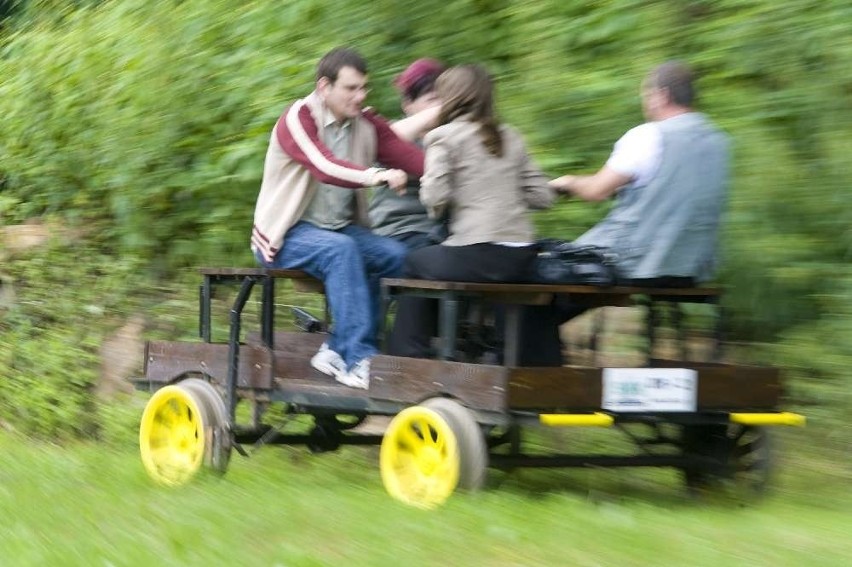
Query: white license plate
{"points": [[649, 389]]}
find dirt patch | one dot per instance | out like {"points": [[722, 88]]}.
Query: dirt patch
{"points": [[20, 237], [121, 357], [7, 293]]}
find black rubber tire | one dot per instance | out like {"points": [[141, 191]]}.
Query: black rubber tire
{"points": [[744, 459], [473, 451]]}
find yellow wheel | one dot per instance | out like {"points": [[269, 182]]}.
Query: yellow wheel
{"points": [[419, 458], [172, 435]]}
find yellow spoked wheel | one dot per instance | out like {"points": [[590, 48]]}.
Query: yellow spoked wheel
{"points": [[419, 458], [182, 429]]}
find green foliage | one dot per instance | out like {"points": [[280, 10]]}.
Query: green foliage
{"points": [[143, 125], [150, 119], [50, 338]]}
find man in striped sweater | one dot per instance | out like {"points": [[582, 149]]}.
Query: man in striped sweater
{"points": [[311, 213]]}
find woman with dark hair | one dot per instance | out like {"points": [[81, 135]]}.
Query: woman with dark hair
{"points": [[479, 173]]}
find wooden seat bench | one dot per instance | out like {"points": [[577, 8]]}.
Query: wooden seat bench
{"points": [[514, 296], [660, 303]]}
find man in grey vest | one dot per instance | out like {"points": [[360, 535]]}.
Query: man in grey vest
{"points": [[669, 177]]}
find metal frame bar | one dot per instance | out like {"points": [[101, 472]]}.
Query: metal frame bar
{"points": [[502, 461], [598, 329], [651, 321], [205, 294], [267, 313], [448, 324], [268, 438], [234, 343], [512, 338], [718, 331]]}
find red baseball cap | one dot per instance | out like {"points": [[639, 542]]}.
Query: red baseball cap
{"points": [[416, 71]]}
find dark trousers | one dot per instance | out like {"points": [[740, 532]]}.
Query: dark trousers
{"points": [[414, 240], [417, 318], [541, 344]]}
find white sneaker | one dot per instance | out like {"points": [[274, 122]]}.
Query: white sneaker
{"points": [[358, 376], [328, 362]]}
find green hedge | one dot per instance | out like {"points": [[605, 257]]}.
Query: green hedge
{"points": [[144, 124]]}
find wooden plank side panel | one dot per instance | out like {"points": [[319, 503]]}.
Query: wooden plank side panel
{"points": [[168, 360], [296, 381], [411, 380], [293, 352], [293, 374], [317, 390], [739, 388], [720, 387], [732, 386], [574, 388], [394, 379]]}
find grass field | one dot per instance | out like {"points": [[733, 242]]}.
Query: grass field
{"points": [[92, 504]]}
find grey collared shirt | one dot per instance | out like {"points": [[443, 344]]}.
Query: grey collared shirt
{"points": [[333, 207]]}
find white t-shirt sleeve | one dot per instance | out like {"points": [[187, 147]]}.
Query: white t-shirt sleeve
{"points": [[637, 154]]}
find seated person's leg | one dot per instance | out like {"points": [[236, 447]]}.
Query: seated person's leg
{"points": [[415, 324], [383, 258], [474, 263], [416, 319], [541, 344], [415, 240], [540, 341], [334, 259]]}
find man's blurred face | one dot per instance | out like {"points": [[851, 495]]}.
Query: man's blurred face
{"points": [[424, 101], [345, 96]]}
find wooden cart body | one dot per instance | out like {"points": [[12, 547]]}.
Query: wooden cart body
{"points": [[269, 366]]}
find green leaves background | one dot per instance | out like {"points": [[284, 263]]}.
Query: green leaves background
{"points": [[143, 125]]}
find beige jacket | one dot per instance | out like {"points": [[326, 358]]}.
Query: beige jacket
{"points": [[487, 197], [297, 159]]}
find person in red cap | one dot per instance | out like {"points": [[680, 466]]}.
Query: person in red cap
{"points": [[402, 216]]}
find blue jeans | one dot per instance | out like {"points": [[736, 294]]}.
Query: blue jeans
{"points": [[350, 262]]}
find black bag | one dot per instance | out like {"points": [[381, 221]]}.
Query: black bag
{"points": [[563, 262]]}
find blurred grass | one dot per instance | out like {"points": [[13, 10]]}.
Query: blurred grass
{"points": [[90, 504], [138, 130]]}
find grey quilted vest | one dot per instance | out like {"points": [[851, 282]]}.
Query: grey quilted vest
{"points": [[670, 227]]}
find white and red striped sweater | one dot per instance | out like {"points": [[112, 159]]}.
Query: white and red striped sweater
{"points": [[297, 160]]}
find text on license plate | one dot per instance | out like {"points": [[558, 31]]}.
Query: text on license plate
{"points": [[649, 389]]}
